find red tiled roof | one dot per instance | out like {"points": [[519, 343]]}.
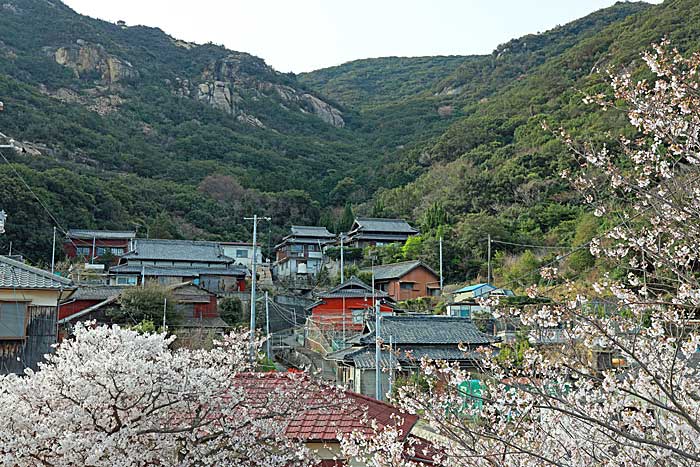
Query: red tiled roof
{"points": [[328, 411]]}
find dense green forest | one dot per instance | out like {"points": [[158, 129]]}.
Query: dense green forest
{"points": [[122, 126]]}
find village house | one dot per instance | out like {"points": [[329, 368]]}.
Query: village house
{"points": [[242, 252], [301, 252], [411, 337], [368, 231], [406, 280], [342, 312], [95, 244], [331, 413], [464, 301], [178, 261], [29, 300], [198, 318]]}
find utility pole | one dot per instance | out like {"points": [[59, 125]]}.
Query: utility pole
{"points": [[377, 352], [254, 274], [3, 218], [53, 251], [267, 327], [342, 260], [165, 308], [440, 264], [488, 270]]}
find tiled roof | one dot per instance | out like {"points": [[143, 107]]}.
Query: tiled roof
{"points": [[353, 287], [178, 250], [329, 411], [374, 224], [397, 270], [233, 270], [429, 329], [86, 234], [364, 357], [17, 275], [311, 231]]}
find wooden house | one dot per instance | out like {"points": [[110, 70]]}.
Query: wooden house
{"points": [[29, 301], [406, 280], [412, 338], [96, 244], [301, 252], [179, 261], [368, 231], [346, 306]]}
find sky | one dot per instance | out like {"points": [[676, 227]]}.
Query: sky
{"points": [[305, 35]]}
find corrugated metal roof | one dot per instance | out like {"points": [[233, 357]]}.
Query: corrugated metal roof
{"points": [[178, 250], [397, 270], [17, 275], [473, 287], [375, 224], [96, 292], [429, 329], [87, 234]]}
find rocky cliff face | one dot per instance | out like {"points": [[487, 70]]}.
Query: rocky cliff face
{"points": [[88, 60], [226, 83]]}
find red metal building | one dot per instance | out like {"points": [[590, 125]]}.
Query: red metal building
{"points": [[347, 306], [93, 244]]}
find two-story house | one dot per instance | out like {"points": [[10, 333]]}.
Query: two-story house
{"points": [[178, 261], [242, 252], [369, 231], [406, 280], [95, 244], [301, 252]]}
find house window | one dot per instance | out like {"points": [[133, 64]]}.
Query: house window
{"points": [[127, 280], [358, 316], [82, 251], [297, 248], [14, 320], [407, 286], [313, 247], [117, 251], [101, 251], [241, 253]]}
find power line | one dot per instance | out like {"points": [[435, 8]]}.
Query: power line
{"points": [[58, 224], [533, 246]]}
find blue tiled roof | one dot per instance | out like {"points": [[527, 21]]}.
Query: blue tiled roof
{"points": [[473, 287]]}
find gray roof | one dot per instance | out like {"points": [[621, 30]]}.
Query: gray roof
{"points": [[364, 357], [374, 224], [311, 231], [178, 250], [86, 234], [17, 275], [429, 329], [233, 270], [353, 287], [96, 292], [397, 270]]}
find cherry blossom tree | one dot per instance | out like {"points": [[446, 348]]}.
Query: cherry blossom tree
{"points": [[114, 397], [621, 387]]}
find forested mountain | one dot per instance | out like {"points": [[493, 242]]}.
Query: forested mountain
{"points": [[124, 125]]}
